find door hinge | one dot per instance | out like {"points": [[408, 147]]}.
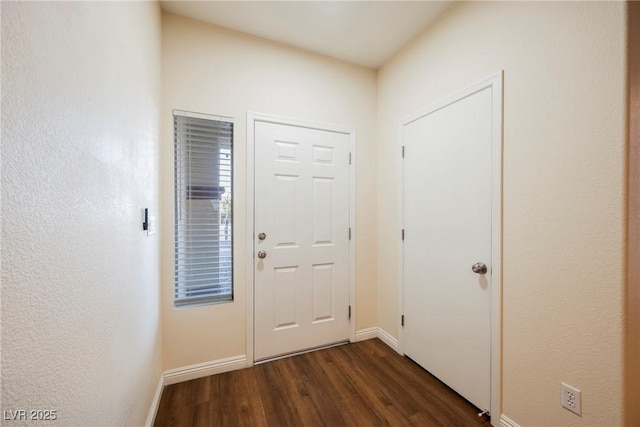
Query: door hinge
{"points": [[402, 320], [403, 151], [349, 158], [349, 233], [403, 234], [349, 312]]}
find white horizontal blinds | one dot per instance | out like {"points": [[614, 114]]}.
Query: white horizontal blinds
{"points": [[203, 210]]}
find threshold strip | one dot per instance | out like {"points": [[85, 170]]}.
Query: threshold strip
{"points": [[296, 353]]}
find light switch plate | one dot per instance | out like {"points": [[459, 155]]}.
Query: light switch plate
{"points": [[151, 225]]}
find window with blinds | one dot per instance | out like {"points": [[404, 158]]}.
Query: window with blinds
{"points": [[203, 209]]}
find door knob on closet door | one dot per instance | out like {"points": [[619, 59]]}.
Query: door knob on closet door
{"points": [[479, 267], [262, 254]]}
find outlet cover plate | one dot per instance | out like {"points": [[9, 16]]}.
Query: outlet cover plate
{"points": [[571, 398]]}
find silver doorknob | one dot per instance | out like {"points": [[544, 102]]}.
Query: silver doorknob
{"points": [[262, 254], [262, 236], [479, 267]]}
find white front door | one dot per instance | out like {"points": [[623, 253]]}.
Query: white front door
{"points": [[447, 222], [301, 242]]}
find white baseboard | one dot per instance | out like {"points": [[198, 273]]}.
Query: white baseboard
{"points": [[191, 372], [366, 334], [385, 337], [507, 422], [153, 410], [388, 339]]}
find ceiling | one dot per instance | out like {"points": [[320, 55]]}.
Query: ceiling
{"points": [[367, 33]]}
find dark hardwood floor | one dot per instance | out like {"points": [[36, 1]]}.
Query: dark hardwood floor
{"points": [[362, 384]]}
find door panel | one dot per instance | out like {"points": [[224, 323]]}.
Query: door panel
{"points": [[301, 291], [323, 293], [447, 220], [285, 301]]}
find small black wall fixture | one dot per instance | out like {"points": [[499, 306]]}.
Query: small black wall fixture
{"points": [[145, 224]]}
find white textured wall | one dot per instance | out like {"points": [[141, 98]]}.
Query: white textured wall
{"points": [[211, 70], [80, 281], [564, 189]]}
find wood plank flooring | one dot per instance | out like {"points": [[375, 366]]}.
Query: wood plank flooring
{"points": [[361, 384]]}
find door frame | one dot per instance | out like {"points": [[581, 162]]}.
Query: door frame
{"points": [[495, 82], [252, 118]]}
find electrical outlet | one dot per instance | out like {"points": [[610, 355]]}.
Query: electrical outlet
{"points": [[570, 398]]}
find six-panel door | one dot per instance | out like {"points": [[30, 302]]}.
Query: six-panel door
{"points": [[301, 288]]}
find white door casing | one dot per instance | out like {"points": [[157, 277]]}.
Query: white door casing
{"points": [[302, 204], [451, 220]]}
